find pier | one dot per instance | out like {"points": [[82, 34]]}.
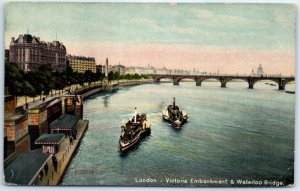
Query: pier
{"points": [[64, 157]]}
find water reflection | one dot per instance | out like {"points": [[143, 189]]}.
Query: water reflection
{"points": [[108, 94]]}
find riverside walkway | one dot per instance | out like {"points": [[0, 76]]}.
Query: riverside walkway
{"points": [[32, 102]]}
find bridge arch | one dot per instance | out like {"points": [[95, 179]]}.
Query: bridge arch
{"points": [[177, 80], [200, 80], [157, 79], [238, 80], [258, 80], [267, 83]]}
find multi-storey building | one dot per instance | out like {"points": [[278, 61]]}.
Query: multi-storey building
{"points": [[119, 68], [29, 53], [99, 68], [81, 63]]}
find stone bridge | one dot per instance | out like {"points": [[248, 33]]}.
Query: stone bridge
{"points": [[223, 79]]}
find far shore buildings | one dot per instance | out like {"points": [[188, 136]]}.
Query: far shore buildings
{"points": [[81, 64], [111, 68], [119, 68], [30, 52], [164, 71], [259, 72]]}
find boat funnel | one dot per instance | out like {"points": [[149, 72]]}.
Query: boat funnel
{"points": [[135, 113], [173, 102]]}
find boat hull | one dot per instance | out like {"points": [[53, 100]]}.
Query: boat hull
{"points": [[125, 147], [144, 132], [175, 124]]}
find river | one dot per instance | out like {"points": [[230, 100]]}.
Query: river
{"points": [[233, 133]]}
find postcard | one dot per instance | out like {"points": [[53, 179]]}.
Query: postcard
{"points": [[149, 94]]}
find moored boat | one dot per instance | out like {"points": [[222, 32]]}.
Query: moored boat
{"points": [[133, 130], [174, 115]]}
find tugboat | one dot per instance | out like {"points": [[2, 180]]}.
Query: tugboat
{"points": [[174, 115], [133, 130]]}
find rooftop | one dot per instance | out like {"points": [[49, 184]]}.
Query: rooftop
{"points": [[50, 139], [65, 122], [13, 118], [26, 167], [30, 39]]}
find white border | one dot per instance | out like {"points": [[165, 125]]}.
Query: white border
{"points": [[71, 188]]}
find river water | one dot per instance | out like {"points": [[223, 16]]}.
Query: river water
{"points": [[233, 133]]}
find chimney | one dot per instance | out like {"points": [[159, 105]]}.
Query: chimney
{"points": [[173, 102], [135, 113]]}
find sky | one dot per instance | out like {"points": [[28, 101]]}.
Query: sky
{"points": [[229, 38]]}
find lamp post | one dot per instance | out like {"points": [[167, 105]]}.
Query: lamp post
{"points": [[69, 88]]}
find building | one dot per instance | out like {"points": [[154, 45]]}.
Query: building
{"points": [[50, 142], [26, 167], [260, 71], [40, 116], [6, 55], [140, 70], [16, 137], [66, 124], [29, 53], [99, 68], [163, 70], [81, 64], [118, 68], [72, 105]]}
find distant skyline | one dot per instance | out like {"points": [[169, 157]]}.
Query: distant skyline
{"points": [[228, 38]]}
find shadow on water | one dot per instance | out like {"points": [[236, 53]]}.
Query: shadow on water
{"points": [[133, 149], [107, 94], [103, 93], [162, 105]]}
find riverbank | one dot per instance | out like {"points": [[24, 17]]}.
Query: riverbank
{"points": [[86, 92], [67, 149]]}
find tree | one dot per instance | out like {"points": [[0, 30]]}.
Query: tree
{"points": [[45, 75], [59, 81], [28, 90], [36, 80], [88, 76], [13, 79], [110, 75], [99, 76]]}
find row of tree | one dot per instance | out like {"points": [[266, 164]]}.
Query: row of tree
{"points": [[42, 81]]}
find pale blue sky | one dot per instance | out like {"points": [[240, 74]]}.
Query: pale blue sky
{"points": [[230, 38], [235, 25]]}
